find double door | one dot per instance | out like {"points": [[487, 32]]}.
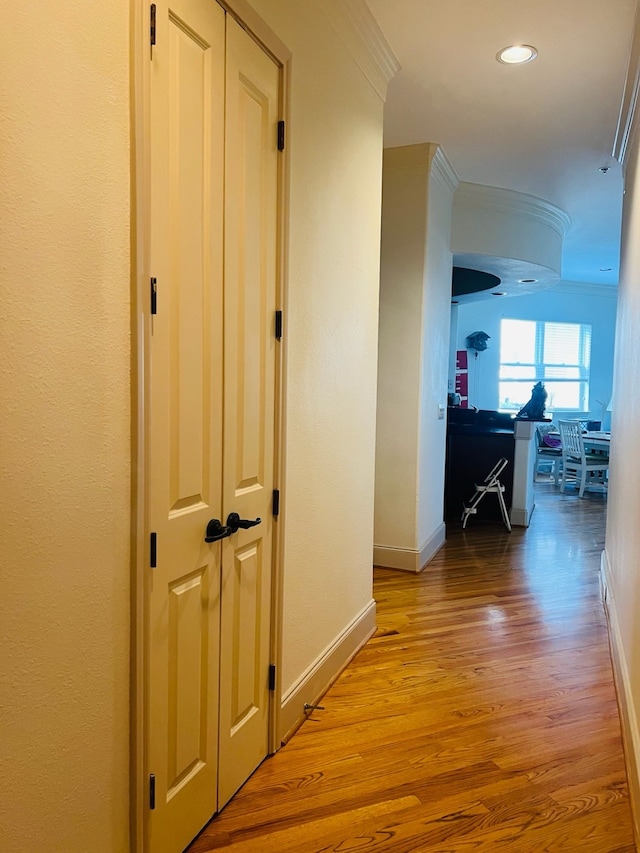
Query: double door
{"points": [[212, 360]]}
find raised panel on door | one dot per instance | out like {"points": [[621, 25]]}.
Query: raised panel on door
{"points": [[251, 178], [185, 426]]}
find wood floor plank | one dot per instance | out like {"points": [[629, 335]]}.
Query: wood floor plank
{"points": [[481, 717], [296, 838]]}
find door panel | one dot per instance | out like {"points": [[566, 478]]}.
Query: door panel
{"points": [[188, 664], [245, 600], [251, 185], [185, 430], [189, 93]]}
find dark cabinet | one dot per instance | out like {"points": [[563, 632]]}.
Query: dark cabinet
{"points": [[475, 442]]}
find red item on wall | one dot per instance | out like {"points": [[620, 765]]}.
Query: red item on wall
{"points": [[462, 384], [462, 378]]}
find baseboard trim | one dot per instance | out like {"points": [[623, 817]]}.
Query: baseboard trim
{"points": [[406, 559], [521, 517], [319, 677], [628, 715]]}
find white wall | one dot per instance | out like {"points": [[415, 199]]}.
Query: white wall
{"points": [[415, 293], [567, 302], [622, 548], [65, 458]]}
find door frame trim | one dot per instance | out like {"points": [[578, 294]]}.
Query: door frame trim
{"points": [[140, 189]]}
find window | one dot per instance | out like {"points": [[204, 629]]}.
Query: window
{"points": [[556, 354]]}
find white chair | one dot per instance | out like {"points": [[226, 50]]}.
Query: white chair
{"points": [[545, 454], [589, 469]]}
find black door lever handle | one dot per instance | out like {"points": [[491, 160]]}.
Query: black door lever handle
{"points": [[216, 531], [234, 522]]}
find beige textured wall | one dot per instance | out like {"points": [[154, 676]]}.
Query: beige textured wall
{"points": [[64, 420], [415, 296], [65, 385], [436, 310], [335, 146], [402, 271]]}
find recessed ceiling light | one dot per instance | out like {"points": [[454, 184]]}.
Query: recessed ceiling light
{"points": [[527, 280], [516, 54], [498, 293]]}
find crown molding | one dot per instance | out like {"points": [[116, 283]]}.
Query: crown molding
{"points": [[444, 171], [359, 32], [629, 97], [583, 288], [511, 201]]}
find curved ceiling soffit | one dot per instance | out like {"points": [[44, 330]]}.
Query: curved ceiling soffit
{"points": [[512, 202], [514, 236]]}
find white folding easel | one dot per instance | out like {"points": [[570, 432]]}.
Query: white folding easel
{"points": [[492, 485]]}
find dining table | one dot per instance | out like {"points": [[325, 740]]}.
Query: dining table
{"points": [[597, 441]]}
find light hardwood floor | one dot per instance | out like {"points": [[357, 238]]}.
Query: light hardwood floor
{"points": [[481, 716]]}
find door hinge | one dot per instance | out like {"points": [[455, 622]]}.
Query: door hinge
{"points": [[272, 676], [153, 550], [280, 136], [152, 791], [154, 295], [278, 325], [152, 24], [276, 502]]}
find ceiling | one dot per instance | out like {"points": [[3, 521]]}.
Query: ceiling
{"points": [[545, 128]]}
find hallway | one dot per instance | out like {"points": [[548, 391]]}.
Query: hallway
{"points": [[481, 716]]}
